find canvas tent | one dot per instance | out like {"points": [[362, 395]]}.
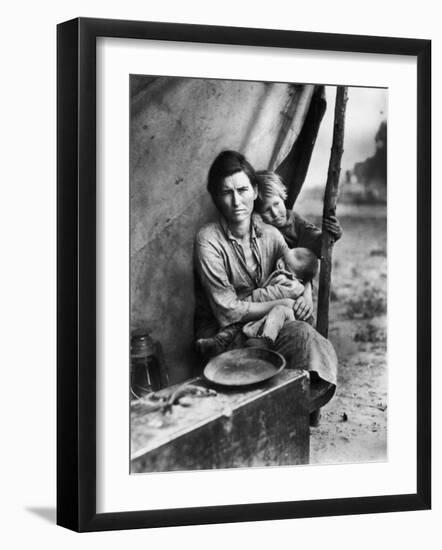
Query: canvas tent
{"points": [[178, 126]]}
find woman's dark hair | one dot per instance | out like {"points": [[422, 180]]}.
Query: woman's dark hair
{"points": [[226, 164]]}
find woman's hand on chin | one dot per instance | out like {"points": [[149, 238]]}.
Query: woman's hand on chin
{"points": [[303, 308]]}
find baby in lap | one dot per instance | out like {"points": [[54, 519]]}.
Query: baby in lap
{"points": [[297, 265]]}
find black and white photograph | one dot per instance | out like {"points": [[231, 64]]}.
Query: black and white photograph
{"points": [[219, 323], [258, 274]]}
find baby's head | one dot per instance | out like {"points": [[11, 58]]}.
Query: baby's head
{"points": [[271, 196], [302, 262]]}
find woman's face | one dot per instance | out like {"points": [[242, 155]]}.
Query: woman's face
{"points": [[236, 197], [273, 211]]}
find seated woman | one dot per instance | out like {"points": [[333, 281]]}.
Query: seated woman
{"points": [[234, 256]]}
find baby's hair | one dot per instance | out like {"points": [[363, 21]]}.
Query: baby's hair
{"points": [[309, 263], [269, 184]]}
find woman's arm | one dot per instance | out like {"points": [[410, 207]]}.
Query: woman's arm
{"points": [[227, 308], [221, 296], [303, 306], [259, 309]]}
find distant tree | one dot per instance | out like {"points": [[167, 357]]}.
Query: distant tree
{"points": [[374, 169]]}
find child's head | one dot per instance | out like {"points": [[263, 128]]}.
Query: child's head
{"points": [[271, 196], [302, 262]]}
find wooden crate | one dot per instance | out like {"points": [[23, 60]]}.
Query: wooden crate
{"points": [[266, 425]]}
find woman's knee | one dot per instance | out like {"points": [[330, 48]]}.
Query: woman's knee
{"points": [[300, 328]]}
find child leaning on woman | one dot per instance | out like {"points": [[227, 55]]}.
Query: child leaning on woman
{"points": [[296, 231]]}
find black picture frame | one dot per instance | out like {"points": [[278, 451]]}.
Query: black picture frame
{"points": [[76, 273]]}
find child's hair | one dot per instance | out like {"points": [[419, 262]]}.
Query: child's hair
{"points": [[269, 184], [303, 262]]}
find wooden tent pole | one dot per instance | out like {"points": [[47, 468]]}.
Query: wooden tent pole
{"points": [[330, 200]]}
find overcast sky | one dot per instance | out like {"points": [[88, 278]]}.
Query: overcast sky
{"points": [[366, 109]]}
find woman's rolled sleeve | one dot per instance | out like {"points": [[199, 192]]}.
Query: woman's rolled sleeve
{"points": [[226, 307]]}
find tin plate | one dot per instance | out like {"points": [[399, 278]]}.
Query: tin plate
{"points": [[242, 367]]}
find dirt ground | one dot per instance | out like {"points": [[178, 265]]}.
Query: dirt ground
{"points": [[353, 426]]}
